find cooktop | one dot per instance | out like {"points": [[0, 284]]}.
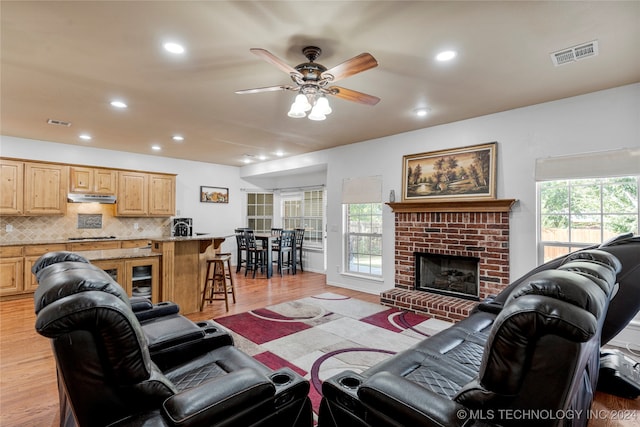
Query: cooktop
{"points": [[92, 238]]}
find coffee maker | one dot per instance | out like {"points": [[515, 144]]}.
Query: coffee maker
{"points": [[182, 227]]}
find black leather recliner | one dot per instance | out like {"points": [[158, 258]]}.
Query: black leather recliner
{"points": [[107, 376], [532, 359]]}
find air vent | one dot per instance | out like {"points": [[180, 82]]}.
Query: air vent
{"points": [[576, 53], [58, 122]]}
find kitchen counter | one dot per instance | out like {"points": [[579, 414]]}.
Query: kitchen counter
{"points": [[183, 262], [61, 241], [106, 254]]}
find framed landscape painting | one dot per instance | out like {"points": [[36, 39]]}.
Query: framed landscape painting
{"points": [[214, 194], [466, 173]]}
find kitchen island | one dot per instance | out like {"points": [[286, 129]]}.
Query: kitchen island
{"points": [[182, 267]]}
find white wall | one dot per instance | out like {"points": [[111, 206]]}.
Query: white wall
{"points": [[598, 121]]}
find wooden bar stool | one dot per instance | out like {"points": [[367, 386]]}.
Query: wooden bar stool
{"points": [[218, 282]]}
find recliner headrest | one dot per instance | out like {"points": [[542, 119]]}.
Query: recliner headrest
{"points": [[54, 258], [576, 289], [71, 278], [595, 255]]}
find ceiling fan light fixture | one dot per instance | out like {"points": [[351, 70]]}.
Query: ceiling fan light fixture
{"points": [[316, 114], [322, 105]]}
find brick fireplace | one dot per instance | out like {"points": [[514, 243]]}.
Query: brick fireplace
{"points": [[477, 229]]}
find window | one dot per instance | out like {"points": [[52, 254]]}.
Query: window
{"points": [[305, 210], [260, 211], [576, 213], [363, 238]]}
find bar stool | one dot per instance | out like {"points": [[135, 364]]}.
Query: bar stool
{"points": [[218, 283]]}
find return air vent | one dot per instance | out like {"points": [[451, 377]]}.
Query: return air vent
{"points": [[58, 122], [575, 53]]}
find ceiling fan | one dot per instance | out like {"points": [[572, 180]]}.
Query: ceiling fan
{"points": [[312, 81]]}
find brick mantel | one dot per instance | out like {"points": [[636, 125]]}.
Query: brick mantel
{"points": [[488, 205], [478, 228]]}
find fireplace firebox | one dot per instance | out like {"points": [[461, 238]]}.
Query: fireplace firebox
{"points": [[451, 275]]}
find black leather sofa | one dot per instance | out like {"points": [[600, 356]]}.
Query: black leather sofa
{"points": [[528, 357], [160, 369]]}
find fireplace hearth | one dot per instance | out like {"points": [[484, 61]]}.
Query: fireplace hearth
{"points": [[452, 275]]}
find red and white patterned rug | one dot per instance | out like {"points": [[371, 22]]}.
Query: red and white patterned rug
{"points": [[323, 335]]}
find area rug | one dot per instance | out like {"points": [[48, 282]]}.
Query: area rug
{"points": [[323, 335]]}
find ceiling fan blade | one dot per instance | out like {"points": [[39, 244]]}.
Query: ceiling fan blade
{"points": [[272, 59], [266, 89], [353, 95], [355, 65]]}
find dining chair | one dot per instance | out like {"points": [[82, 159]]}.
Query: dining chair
{"points": [[241, 242], [286, 248], [299, 238], [256, 253]]}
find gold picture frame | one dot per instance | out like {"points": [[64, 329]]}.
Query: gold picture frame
{"points": [[465, 173]]}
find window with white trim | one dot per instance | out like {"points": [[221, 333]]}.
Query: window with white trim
{"points": [[306, 210], [362, 208], [363, 238], [577, 213], [260, 212]]}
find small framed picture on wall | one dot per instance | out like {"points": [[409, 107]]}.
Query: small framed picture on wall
{"points": [[214, 194]]}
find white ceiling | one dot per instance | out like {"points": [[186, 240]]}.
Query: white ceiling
{"points": [[67, 60]]}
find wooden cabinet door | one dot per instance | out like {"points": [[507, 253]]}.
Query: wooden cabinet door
{"points": [[11, 275], [92, 180], [45, 190], [11, 187], [162, 195], [105, 181], [115, 268], [80, 180], [133, 194], [135, 282]]}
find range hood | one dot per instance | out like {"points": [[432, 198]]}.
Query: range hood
{"points": [[90, 198]]}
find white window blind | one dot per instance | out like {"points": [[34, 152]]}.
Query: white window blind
{"points": [[366, 189], [625, 162]]}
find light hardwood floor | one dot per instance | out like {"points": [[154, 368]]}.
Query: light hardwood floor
{"points": [[28, 392]]}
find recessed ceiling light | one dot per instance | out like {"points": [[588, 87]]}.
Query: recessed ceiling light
{"points": [[118, 104], [262, 157], [446, 55], [85, 137], [177, 138], [246, 160], [173, 48], [279, 153], [422, 112], [156, 147]]}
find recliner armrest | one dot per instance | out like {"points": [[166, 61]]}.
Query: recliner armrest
{"points": [[222, 398], [410, 404]]}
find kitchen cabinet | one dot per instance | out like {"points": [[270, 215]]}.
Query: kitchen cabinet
{"points": [[11, 270], [142, 194], [162, 195], [45, 188], [137, 276], [138, 243], [92, 180], [133, 194], [11, 187], [114, 268]]}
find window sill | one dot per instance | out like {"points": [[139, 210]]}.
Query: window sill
{"points": [[363, 277]]}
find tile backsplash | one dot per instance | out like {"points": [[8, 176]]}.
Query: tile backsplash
{"points": [[37, 228]]}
